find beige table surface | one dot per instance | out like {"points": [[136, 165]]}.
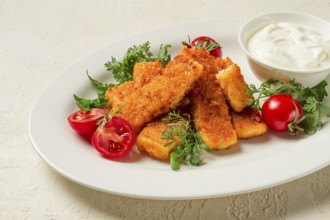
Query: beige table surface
{"points": [[39, 38]]}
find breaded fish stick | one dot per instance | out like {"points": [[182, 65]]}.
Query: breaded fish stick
{"points": [[213, 122], [248, 123], [150, 141], [116, 94], [143, 73], [161, 94], [234, 87], [210, 111]]}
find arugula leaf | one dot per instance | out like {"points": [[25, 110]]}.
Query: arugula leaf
{"points": [[189, 147], [123, 71]]}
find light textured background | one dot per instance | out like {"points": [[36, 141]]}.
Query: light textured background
{"points": [[39, 38]]}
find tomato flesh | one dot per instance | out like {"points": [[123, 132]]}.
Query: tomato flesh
{"points": [[85, 122], [115, 139], [217, 52], [279, 111]]}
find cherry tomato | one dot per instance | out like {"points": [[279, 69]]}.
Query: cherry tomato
{"points": [[85, 122], [115, 139], [279, 111], [204, 41]]}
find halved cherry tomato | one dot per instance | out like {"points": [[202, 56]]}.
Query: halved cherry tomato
{"points": [[85, 122], [115, 139], [279, 111], [209, 44]]}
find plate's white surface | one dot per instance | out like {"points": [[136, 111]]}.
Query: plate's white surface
{"points": [[250, 165]]}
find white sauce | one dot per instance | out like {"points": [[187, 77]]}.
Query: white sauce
{"points": [[291, 46]]}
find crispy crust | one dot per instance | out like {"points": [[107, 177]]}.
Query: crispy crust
{"points": [[248, 123], [162, 94], [149, 141], [210, 111], [143, 73], [234, 87], [212, 83]]}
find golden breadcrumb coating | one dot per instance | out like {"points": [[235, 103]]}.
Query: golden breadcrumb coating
{"points": [[248, 123], [223, 63], [116, 94], [234, 87], [196, 78], [209, 109], [213, 122], [143, 73], [149, 141], [162, 94]]}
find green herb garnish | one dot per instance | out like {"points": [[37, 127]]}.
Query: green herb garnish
{"points": [[123, 71], [207, 45], [312, 100], [99, 102], [189, 147]]}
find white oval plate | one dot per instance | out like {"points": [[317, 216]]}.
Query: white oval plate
{"points": [[250, 165]]}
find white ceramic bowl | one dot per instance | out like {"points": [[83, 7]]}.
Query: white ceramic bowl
{"points": [[263, 71]]}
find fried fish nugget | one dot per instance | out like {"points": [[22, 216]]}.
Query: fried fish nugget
{"points": [[150, 141], [234, 87], [248, 123], [161, 94]]}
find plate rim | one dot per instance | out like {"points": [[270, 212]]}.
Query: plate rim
{"points": [[139, 195]]}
